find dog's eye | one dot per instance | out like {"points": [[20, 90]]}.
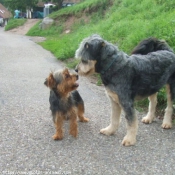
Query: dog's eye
{"points": [[67, 76], [84, 62]]}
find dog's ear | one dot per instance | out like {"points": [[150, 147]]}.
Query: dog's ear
{"points": [[66, 70], [86, 45], [50, 81], [103, 44]]}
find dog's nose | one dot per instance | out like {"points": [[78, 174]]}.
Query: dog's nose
{"points": [[45, 83], [76, 70]]}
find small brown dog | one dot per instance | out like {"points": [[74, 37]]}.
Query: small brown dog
{"points": [[65, 101]]}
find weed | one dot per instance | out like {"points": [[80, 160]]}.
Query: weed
{"points": [[13, 23]]}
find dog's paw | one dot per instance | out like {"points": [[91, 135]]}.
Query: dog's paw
{"points": [[166, 125], [128, 141], [147, 120], [74, 133], [57, 137], [107, 131], [84, 119]]}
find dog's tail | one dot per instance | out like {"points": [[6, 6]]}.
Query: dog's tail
{"points": [[151, 45]]}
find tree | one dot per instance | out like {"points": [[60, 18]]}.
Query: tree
{"points": [[59, 3], [19, 4], [1, 1]]}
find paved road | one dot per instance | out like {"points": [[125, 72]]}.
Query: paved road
{"points": [[26, 126]]}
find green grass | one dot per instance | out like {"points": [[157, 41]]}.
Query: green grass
{"points": [[13, 23], [124, 23]]}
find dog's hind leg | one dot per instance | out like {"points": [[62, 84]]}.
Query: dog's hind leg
{"points": [[81, 113], [115, 118], [151, 110], [167, 121]]}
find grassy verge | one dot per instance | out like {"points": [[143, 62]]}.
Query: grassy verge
{"points": [[13, 23]]}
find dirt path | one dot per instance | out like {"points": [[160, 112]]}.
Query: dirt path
{"points": [[22, 30]]}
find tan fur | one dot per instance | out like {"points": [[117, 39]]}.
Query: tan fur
{"points": [[167, 121], [151, 110], [67, 84], [81, 114], [58, 126], [130, 138], [73, 123], [50, 81], [86, 69], [132, 128]]}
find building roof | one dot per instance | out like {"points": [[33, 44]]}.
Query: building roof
{"points": [[43, 4], [40, 4], [4, 13]]}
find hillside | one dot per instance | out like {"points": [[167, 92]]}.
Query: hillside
{"points": [[123, 22]]}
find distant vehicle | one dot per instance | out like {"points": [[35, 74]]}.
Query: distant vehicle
{"points": [[49, 5], [67, 4]]}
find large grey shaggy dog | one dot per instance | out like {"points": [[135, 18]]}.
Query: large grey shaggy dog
{"points": [[127, 78]]}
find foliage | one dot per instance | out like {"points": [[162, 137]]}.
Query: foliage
{"points": [[13, 23], [2, 1], [58, 3], [19, 4], [168, 5]]}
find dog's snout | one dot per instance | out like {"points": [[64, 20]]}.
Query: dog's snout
{"points": [[76, 69], [45, 82]]}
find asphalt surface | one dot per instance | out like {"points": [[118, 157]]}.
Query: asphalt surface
{"points": [[26, 127]]}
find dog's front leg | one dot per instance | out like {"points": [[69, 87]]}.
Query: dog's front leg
{"points": [[73, 124], [132, 126], [58, 121], [115, 119]]}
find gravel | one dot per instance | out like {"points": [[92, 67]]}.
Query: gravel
{"points": [[26, 127]]}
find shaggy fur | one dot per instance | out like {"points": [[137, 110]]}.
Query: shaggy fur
{"points": [[65, 101], [144, 47], [151, 45], [126, 78]]}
